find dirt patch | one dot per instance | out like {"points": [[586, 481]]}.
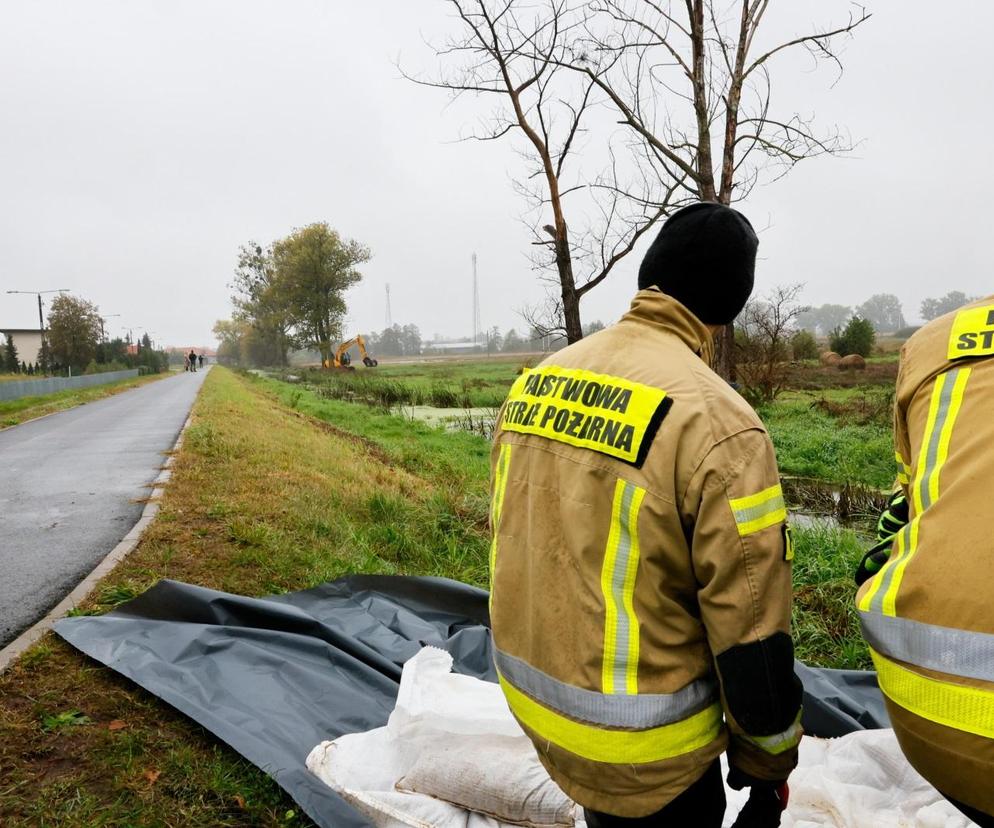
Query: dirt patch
{"points": [[365, 443], [859, 410], [815, 377]]}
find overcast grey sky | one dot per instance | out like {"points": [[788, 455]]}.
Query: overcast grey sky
{"points": [[142, 142]]}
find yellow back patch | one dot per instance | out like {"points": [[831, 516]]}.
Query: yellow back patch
{"points": [[610, 415], [973, 333]]}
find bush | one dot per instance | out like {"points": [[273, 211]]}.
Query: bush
{"points": [[803, 345], [856, 338]]}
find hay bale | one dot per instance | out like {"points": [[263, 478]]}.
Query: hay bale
{"points": [[830, 358], [853, 362]]}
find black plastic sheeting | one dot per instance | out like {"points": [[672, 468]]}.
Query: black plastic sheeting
{"points": [[272, 677]]}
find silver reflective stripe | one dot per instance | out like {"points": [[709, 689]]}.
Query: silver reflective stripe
{"points": [[779, 742], [751, 513], [944, 649], [934, 438], [622, 584], [638, 712]]}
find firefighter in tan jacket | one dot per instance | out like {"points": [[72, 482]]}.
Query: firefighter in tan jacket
{"points": [[641, 558], [928, 614]]}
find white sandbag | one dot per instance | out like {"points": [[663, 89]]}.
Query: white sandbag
{"points": [[858, 781], [505, 782], [441, 716]]}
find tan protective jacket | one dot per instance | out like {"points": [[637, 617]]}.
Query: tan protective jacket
{"points": [[640, 533], [928, 615]]}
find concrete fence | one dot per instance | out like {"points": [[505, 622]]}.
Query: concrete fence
{"points": [[35, 388]]}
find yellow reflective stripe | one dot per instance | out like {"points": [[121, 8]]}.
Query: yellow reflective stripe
{"points": [[616, 747], [901, 464], [970, 709], [944, 407], [955, 404], [876, 582], [759, 511], [928, 489], [903, 470], [779, 742], [631, 668], [619, 665], [497, 504]]}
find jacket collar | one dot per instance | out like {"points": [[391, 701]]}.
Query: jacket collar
{"points": [[653, 307]]}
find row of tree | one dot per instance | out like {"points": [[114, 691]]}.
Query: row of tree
{"points": [[883, 311], [73, 341], [290, 294]]}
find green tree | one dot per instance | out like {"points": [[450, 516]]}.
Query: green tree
{"points": [[803, 345], [73, 331], [261, 301], [11, 361], [934, 308], [883, 311], [857, 337], [314, 266]]}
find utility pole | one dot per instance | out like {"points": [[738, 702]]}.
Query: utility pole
{"points": [[476, 305], [103, 336], [41, 321]]}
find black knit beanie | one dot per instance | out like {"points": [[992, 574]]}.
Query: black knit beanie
{"points": [[705, 258]]}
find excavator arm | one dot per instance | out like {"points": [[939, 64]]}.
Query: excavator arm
{"points": [[342, 359]]}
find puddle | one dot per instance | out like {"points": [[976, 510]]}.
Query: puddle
{"points": [[474, 420], [816, 502]]}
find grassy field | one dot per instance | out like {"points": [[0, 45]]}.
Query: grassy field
{"points": [[279, 487], [834, 426], [13, 412]]}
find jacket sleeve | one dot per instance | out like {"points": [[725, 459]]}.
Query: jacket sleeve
{"points": [[741, 551]]}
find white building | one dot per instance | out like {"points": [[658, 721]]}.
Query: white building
{"points": [[27, 341]]}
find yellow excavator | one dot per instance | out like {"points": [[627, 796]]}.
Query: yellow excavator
{"points": [[343, 361]]}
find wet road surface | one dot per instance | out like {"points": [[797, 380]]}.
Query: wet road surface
{"points": [[68, 490]]}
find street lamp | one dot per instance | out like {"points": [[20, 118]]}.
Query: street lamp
{"points": [[105, 317], [41, 320]]}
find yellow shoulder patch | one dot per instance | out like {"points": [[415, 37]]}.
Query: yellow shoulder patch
{"points": [[610, 415], [973, 333]]}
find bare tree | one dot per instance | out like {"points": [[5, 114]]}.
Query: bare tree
{"points": [[691, 80], [763, 344], [518, 52]]}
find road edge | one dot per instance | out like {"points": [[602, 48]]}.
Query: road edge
{"points": [[16, 648]]}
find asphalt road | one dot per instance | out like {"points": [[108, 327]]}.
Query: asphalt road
{"points": [[68, 490]]}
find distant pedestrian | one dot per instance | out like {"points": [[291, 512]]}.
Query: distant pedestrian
{"points": [[193, 360], [201, 358]]}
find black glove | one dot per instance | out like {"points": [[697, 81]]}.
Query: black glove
{"points": [[767, 800], [894, 518], [764, 807], [873, 561]]}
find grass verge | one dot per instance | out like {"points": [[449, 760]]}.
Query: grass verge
{"points": [[14, 412], [277, 489], [262, 499]]}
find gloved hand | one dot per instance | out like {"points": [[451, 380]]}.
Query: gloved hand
{"points": [[767, 800], [873, 561], [894, 518]]}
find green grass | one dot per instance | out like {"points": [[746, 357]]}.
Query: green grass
{"points": [[853, 445], [449, 384], [13, 412]]}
